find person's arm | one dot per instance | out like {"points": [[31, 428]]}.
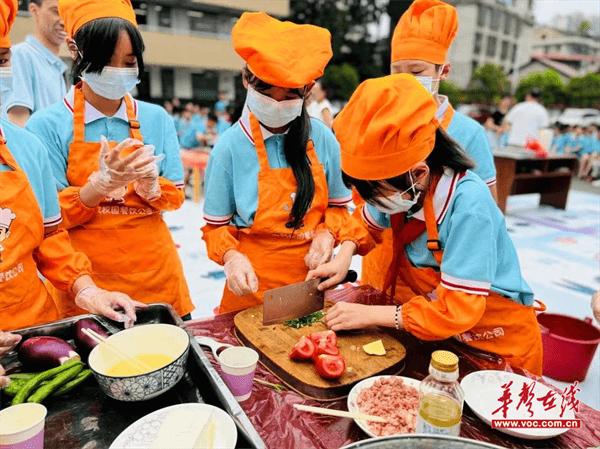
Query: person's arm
{"points": [[219, 234], [327, 116], [19, 115], [170, 184], [479, 149], [20, 102]]}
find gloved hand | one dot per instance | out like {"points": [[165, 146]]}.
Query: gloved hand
{"points": [[115, 173], [148, 186], [241, 278], [103, 302], [8, 341], [4, 380], [321, 249]]}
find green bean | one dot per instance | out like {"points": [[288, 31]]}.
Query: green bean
{"points": [[62, 378], [81, 378], [34, 382], [14, 386], [22, 376]]}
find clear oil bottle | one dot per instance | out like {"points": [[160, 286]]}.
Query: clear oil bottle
{"points": [[441, 397]]}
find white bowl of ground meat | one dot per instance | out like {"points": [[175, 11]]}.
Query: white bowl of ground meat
{"points": [[392, 397]]}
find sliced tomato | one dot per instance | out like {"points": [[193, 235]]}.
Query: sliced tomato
{"points": [[330, 366], [303, 350], [324, 347], [327, 335]]}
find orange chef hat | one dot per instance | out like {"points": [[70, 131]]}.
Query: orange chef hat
{"points": [[282, 54], [76, 13], [425, 32], [386, 128], [8, 12]]}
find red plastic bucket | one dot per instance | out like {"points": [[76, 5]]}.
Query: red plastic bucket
{"points": [[569, 346]]}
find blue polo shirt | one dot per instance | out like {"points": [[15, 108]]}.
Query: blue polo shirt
{"points": [[32, 157], [479, 254], [38, 76], [54, 126], [231, 181]]}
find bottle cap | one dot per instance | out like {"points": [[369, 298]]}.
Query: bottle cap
{"points": [[445, 361]]}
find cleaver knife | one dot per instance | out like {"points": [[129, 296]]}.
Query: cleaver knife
{"points": [[296, 300]]}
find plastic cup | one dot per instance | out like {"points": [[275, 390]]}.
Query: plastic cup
{"points": [[22, 426], [238, 365]]}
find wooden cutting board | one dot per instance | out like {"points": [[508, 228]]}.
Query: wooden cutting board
{"points": [[275, 342]]}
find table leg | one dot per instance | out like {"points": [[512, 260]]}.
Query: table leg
{"points": [[558, 198], [504, 180]]}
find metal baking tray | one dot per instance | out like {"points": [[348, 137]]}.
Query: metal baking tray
{"points": [[88, 419]]}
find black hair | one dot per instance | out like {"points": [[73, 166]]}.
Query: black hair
{"points": [[36, 2], [212, 116], [97, 41], [446, 154], [535, 93], [295, 155]]}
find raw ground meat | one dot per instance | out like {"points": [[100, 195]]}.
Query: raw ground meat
{"points": [[390, 398]]}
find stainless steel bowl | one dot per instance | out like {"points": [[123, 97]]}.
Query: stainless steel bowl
{"points": [[420, 441], [146, 339]]}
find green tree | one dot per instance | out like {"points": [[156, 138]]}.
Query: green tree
{"points": [[454, 93], [584, 27], [584, 91], [341, 80], [550, 84], [488, 84], [349, 23]]}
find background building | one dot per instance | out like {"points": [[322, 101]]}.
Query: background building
{"points": [[188, 45], [491, 31]]}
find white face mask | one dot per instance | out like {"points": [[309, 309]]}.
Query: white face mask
{"points": [[113, 82], [6, 83], [430, 83], [396, 204], [273, 113]]}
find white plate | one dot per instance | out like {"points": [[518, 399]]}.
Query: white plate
{"points": [[142, 433], [367, 383], [483, 388]]}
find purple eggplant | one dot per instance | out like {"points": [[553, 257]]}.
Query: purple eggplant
{"points": [[42, 353], [84, 343]]}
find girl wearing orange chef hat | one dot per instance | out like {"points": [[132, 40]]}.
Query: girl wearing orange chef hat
{"points": [[115, 160], [457, 269], [30, 237], [420, 45], [275, 200]]}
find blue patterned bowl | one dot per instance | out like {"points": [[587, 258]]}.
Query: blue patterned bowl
{"points": [[163, 339]]}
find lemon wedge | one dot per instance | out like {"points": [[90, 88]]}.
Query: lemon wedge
{"points": [[374, 348]]}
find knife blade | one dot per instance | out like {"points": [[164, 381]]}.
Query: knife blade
{"points": [[295, 300]]}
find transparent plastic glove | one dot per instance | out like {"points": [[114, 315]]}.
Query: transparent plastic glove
{"points": [[115, 173], [116, 306], [148, 186], [241, 278], [321, 249], [8, 341]]}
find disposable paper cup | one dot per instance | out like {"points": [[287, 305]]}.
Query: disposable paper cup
{"points": [[22, 426], [238, 365]]}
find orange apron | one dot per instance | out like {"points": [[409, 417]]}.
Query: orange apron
{"points": [[128, 242], [381, 255], [506, 328], [24, 300], [275, 251]]}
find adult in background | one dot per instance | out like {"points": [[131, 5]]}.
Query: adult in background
{"points": [[320, 107], [39, 73], [527, 119], [495, 123]]}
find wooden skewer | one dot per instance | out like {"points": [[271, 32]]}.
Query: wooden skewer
{"points": [[122, 355], [340, 413]]}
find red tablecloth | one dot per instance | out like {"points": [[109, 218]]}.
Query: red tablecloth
{"points": [[283, 427]]}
